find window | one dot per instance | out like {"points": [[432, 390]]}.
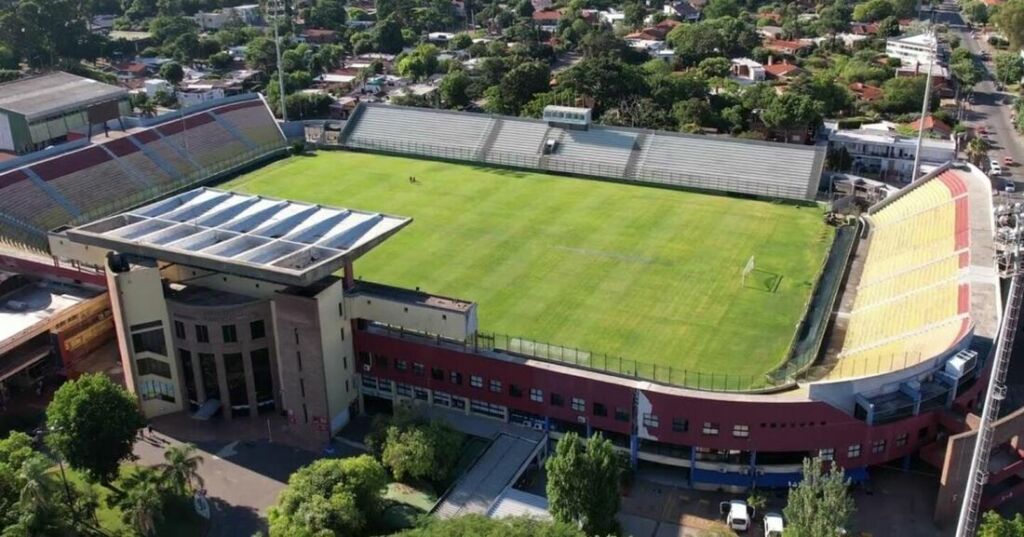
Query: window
{"points": [[257, 330], [401, 365], [202, 333], [179, 329], [442, 399], [153, 389], [827, 454], [495, 386], [901, 439], [537, 395], [455, 377], [342, 334], [650, 420], [229, 333], [403, 389], [487, 409], [600, 409], [515, 391], [302, 387], [437, 373], [476, 381], [149, 366], [878, 446], [621, 414], [420, 393], [579, 405], [146, 326], [709, 428], [341, 310], [150, 341], [741, 431], [679, 425], [417, 369], [556, 400], [853, 451], [298, 360]]}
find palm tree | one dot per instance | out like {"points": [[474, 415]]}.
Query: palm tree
{"points": [[141, 500], [35, 494], [977, 150], [182, 467], [147, 109]]}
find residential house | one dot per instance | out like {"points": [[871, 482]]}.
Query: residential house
{"points": [[247, 14], [684, 11], [127, 71], [200, 92], [864, 28], [920, 49], [745, 70], [782, 70], [942, 84], [933, 127], [769, 31], [783, 46], [877, 149], [319, 36], [547, 19], [611, 16], [541, 5], [157, 85], [865, 92]]}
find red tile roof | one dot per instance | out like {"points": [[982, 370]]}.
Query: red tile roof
{"points": [[866, 92], [932, 124], [782, 70], [547, 15], [781, 45]]}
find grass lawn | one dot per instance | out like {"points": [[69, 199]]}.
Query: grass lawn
{"points": [[644, 273], [179, 518]]}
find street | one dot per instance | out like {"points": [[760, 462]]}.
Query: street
{"points": [[991, 108]]}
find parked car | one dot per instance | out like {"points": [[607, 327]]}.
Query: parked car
{"points": [[737, 514], [1007, 160], [774, 526], [994, 168], [1010, 187]]}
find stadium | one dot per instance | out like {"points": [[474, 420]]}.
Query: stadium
{"points": [[685, 296]]}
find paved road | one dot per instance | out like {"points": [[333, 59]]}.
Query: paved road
{"points": [[991, 107]]}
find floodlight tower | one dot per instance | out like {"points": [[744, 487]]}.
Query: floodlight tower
{"points": [[1009, 238], [278, 8]]}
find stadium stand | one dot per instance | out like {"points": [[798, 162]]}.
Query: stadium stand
{"points": [[87, 182], [781, 171], [913, 299]]}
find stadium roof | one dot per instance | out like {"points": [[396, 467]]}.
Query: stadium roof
{"points": [[44, 95], [280, 241]]}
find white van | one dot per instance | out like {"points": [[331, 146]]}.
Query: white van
{"points": [[737, 514], [994, 168], [773, 525]]}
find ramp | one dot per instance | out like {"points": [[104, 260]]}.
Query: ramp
{"points": [[494, 471]]}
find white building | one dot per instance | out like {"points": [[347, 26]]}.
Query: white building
{"points": [[920, 49], [248, 14], [195, 94], [745, 70], [877, 149], [156, 85]]}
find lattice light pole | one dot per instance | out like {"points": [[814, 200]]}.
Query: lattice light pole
{"points": [[1010, 228]]}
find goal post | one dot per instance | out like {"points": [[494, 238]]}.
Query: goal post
{"points": [[747, 269]]}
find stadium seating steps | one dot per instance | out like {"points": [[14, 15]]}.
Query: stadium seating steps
{"points": [[93, 181], [709, 163], [913, 299]]}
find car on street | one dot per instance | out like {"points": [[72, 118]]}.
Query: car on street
{"points": [[1007, 160], [738, 514], [994, 168], [1010, 187]]}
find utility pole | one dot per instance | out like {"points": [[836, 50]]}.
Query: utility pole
{"points": [[924, 114], [277, 48]]}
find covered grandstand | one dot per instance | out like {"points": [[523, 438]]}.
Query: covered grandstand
{"points": [[720, 164], [133, 166]]}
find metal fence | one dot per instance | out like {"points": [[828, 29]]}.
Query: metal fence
{"points": [[535, 162]]}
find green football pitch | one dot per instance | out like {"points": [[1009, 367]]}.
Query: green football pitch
{"points": [[648, 274]]}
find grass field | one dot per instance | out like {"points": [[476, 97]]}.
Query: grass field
{"points": [[644, 273]]}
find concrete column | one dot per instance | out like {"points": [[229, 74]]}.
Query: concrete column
{"points": [[197, 376], [350, 278], [590, 430], [222, 383], [753, 469], [634, 451], [693, 463], [250, 385]]}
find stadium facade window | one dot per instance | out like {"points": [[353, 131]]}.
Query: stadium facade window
{"points": [[709, 428], [401, 365], [557, 400], [153, 389], [437, 373], [179, 329], [579, 404], [369, 382], [741, 431], [418, 369], [495, 386], [257, 330], [456, 378], [853, 451], [229, 333], [621, 414], [298, 360], [384, 385], [476, 381], [150, 341], [442, 399], [150, 366], [537, 395], [515, 391], [680, 425], [487, 409], [901, 439], [403, 389], [420, 393], [878, 446], [202, 333], [651, 421], [827, 454], [600, 409]]}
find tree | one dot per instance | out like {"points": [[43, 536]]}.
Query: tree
{"points": [[902, 95], [93, 424], [976, 11], [330, 497], [328, 14], [461, 41], [481, 526], [181, 468], [220, 61], [977, 150], [172, 72], [422, 451], [1009, 67], [517, 87], [1010, 21], [993, 525], [791, 112], [889, 27], [583, 483], [692, 114], [820, 505], [261, 55], [872, 10], [455, 89], [388, 36], [607, 79], [141, 500], [722, 8]]}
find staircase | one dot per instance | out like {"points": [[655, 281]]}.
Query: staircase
{"points": [[637, 156], [488, 139], [545, 158]]}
